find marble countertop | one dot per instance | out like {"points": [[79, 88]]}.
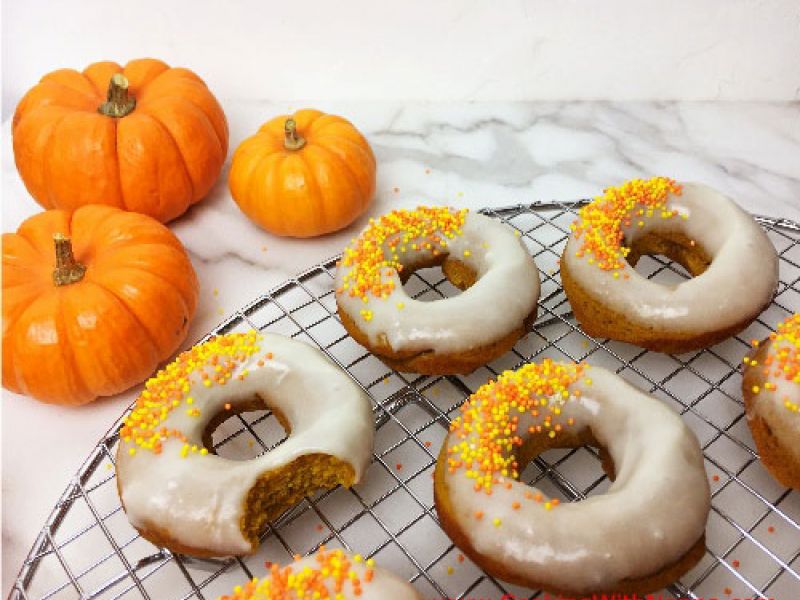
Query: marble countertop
{"points": [[467, 155]]}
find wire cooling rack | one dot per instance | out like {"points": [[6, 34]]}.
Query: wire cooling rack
{"points": [[87, 549]]}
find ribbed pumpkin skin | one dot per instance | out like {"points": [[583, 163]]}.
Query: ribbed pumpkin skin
{"points": [[158, 160], [99, 336], [318, 189]]}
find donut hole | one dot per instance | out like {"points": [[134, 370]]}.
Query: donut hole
{"points": [[420, 277], [247, 430], [689, 257], [551, 450]]}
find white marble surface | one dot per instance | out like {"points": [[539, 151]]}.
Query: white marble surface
{"points": [[473, 155], [418, 50]]}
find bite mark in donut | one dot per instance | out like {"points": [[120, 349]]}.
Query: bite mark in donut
{"points": [[178, 494]]}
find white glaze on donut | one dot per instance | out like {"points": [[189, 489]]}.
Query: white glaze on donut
{"points": [[504, 294], [199, 498], [651, 515], [777, 402], [379, 585], [741, 279]]}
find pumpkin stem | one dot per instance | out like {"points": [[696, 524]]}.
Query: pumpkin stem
{"points": [[68, 270], [292, 141], [118, 103]]}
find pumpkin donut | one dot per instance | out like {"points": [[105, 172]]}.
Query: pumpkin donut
{"points": [[479, 255], [179, 495], [771, 390], [326, 574], [732, 261], [637, 537]]}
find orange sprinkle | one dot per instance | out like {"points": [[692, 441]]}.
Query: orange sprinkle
{"points": [[427, 444], [398, 466], [736, 564], [715, 478], [600, 224], [460, 558], [771, 529]]}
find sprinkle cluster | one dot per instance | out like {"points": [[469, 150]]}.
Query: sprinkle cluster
{"points": [[600, 224], [489, 429], [213, 362], [332, 578], [375, 255], [783, 359]]}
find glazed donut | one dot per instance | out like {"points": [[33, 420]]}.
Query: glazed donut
{"points": [[771, 390], [479, 255], [643, 533], [179, 495], [732, 261], [327, 574]]}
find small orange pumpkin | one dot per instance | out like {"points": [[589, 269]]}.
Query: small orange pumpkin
{"points": [[92, 302], [146, 138], [303, 175]]}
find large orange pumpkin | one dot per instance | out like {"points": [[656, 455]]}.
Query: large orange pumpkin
{"points": [[303, 175], [146, 138], [92, 302]]}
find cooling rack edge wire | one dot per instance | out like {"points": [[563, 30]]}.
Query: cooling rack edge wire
{"points": [[753, 545]]}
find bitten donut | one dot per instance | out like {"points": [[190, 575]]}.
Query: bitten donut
{"points": [[771, 389], [327, 574], [179, 495], [733, 264], [646, 531], [478, 254]]}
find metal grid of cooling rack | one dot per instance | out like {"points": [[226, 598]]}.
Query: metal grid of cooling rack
{"points": [[87, 549]]}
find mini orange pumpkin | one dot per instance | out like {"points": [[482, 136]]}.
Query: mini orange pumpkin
{"points": [[146, 138], [303, 175], [92, 302]]}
